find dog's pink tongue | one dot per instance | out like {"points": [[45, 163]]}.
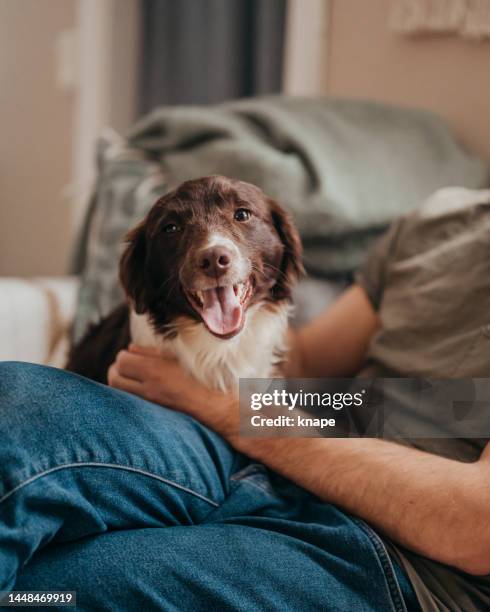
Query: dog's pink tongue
{"points": [[222, 311]]}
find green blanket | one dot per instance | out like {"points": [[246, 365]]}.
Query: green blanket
{"points": [[343, 168]]}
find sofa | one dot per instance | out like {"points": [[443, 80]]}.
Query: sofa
{"points": [[343, 168]]}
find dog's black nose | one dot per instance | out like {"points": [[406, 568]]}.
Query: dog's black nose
{"points": [[215, 261]]}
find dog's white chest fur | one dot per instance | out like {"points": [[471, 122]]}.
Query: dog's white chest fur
{"points": [[217, 363]]}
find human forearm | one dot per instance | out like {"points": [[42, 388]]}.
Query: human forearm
{"points": [[433, 506], [336, 342]]}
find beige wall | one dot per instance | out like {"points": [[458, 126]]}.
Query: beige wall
{"points": [[36, 127], [364, 59], [443, 73]]}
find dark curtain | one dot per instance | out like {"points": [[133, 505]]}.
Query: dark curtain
{"points": [[207, 51]]}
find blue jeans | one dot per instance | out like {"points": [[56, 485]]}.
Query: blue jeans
{"points": [[136, 506]]}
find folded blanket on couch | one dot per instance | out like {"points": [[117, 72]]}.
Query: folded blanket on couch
{"points": [[343, 168]]}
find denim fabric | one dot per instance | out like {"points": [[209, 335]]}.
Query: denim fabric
{"points": [[136, 506]]}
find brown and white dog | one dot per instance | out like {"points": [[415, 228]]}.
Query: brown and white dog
{"points": [[208, 275]]}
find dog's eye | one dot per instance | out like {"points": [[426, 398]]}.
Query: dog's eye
{"points": [[171, 228], [242, 214]]}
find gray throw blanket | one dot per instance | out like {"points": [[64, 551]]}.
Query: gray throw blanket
{"points": [[343, 168]]}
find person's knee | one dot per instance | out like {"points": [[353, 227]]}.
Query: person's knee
{"points": [[11, 370], [51, 401], [17, 376], [34, 394]]}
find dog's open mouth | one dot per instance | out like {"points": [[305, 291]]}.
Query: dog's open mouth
{"points": [[222, 309]]}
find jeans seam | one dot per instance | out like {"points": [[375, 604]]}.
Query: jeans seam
{"points": [[239, 481], [398, 601], [246, 475], [111, 466]]}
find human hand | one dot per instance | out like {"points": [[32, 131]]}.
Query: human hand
{"points": [[159, 378]]}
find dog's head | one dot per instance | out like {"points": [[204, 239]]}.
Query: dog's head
{"points": [[209, 250]]}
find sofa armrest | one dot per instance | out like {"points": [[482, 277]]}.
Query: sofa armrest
{"points": [[35, 318]]}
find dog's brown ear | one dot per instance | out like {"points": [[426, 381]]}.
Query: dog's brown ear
{"points": [[132, 268], [291, 265]]}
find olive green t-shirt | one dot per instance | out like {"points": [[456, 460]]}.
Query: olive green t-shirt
{"points": [[429, 280]]}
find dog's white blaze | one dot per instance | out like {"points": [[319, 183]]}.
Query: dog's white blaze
{"points": [[215, 239], [254, 353]]}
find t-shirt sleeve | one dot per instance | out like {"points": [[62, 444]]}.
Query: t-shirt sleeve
{"points": [[372, 275]]}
